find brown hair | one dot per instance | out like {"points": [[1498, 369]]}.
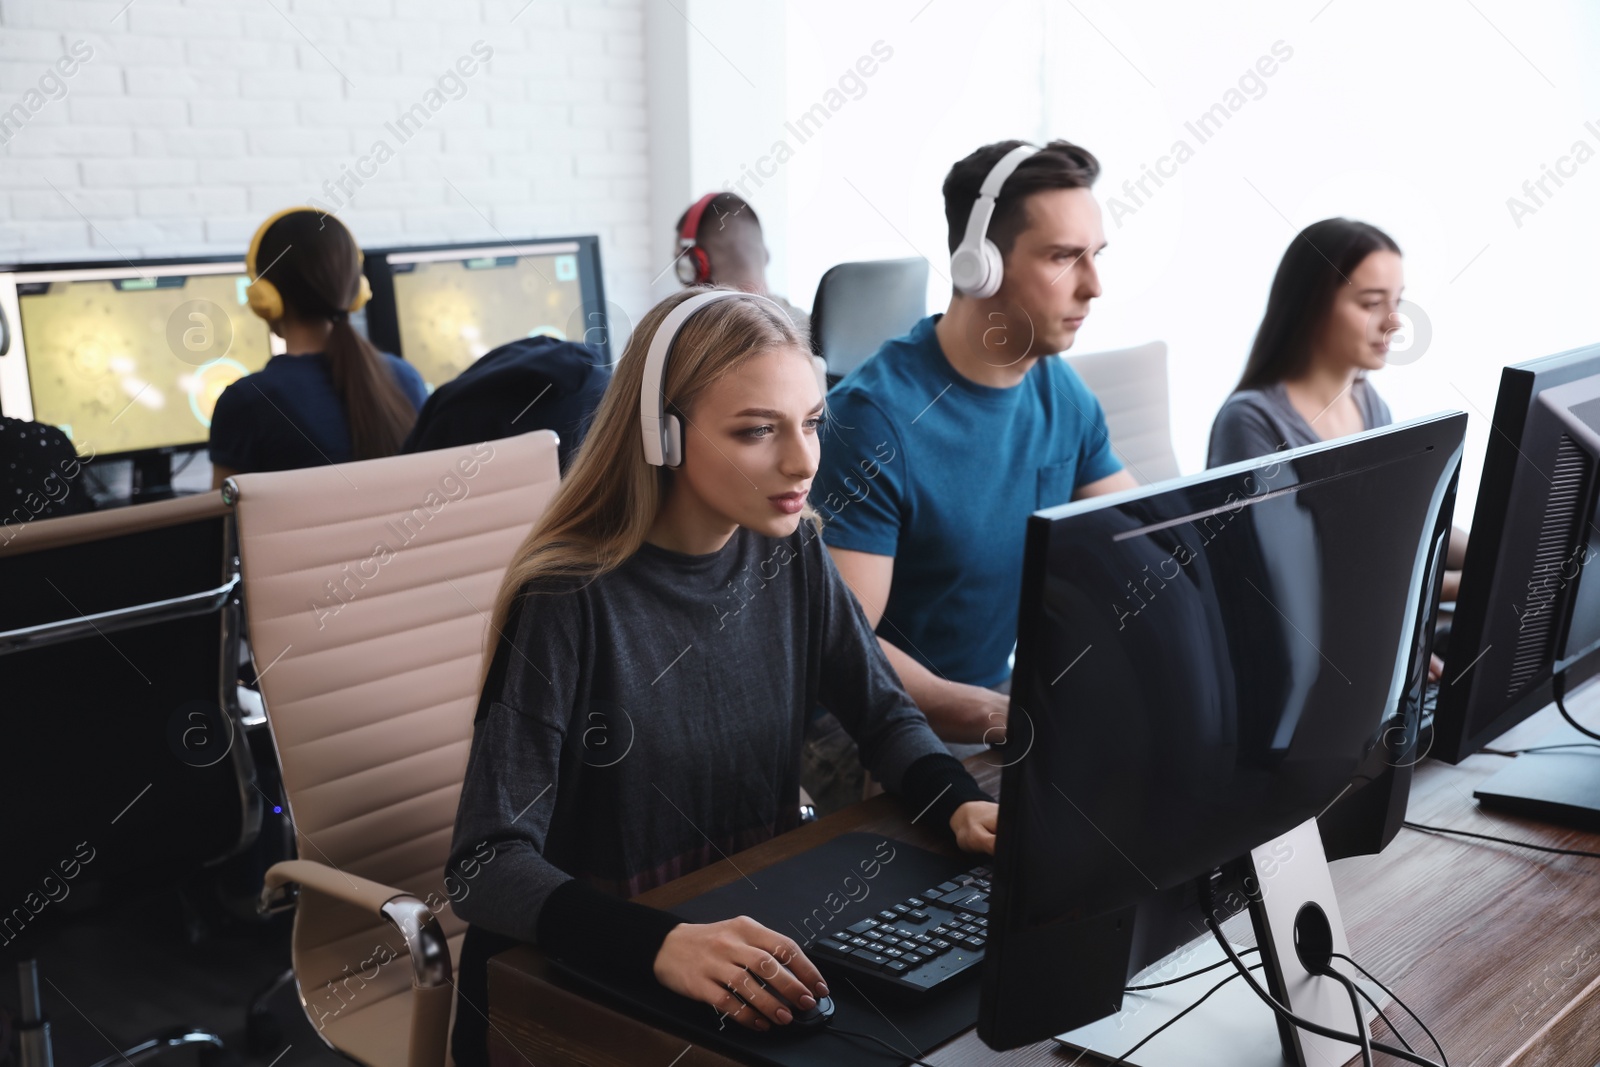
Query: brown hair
{"points": [[1318, 262], [315, 264], [1058, 165], [610, 496]]}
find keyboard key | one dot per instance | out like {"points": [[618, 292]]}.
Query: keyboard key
{"points": [[982, 921], [976, 942], [863, 926], [889, 916], [832, 948], [927, 952], [840, 935], [940, 929], [917, 915], [897, 967], [915, 902], [947, 887], [922, 939], [860, 942], [943, 945], [874, 935], [870, 958], [893, 953], [975, 902], [969, 928], [902, 908], [904, 931]]}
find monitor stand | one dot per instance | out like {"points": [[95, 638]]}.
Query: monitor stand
{"points": [[1560, 787], [1233, 1028], [152, 477]]}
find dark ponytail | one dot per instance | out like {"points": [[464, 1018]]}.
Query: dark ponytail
{"points": [[1318, 261], [316, 266]]}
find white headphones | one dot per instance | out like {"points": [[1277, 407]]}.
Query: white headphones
{"points": [[663, 433], [975, 267]]}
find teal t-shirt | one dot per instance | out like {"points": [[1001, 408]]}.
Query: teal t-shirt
{"points": [[927, 466]]}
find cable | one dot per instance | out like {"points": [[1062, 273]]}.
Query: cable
{"points": [[832, 1029], [1267, 998], [1185, 977], [1361, 1017], [1203, 998], [1424, 829], [1558, 690], [1536, 748], [1395, 1029], [1443, 1059]]}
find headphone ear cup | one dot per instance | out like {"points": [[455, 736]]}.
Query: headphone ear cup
{"points": [[993, 270], [264, 299], [363, 294], [966, 269], [702, 266], [672, 445]]}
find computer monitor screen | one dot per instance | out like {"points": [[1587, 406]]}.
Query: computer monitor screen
{"points": [[1529, 603], [450, 306], [128, 358], [1201, 666]]}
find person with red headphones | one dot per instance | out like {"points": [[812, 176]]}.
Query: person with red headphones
{"points": [[720, 243]]}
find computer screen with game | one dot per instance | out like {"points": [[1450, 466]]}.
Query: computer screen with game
{"points": [[1526, 629], [1205, 667], [127, 358], [442, 307]]}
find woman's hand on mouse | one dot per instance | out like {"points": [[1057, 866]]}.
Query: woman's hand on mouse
{"points": [[974, 824], [720, 963]]}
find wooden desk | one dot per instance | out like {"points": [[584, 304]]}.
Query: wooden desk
{"points": [[1497, 948]]}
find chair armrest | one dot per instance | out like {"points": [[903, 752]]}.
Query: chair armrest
{"points": [[430, 953]]}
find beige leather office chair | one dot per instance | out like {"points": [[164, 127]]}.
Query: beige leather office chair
{"points": [[1131, 384], [367, 588]]}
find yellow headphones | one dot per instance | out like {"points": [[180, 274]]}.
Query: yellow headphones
{"points": [[263, 296]]}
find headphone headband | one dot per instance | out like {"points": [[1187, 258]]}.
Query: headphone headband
{"points": [[263, 296], [975, 266], [663, 435]]}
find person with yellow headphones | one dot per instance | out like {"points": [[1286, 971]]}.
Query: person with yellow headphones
{"points": [[332, 397]]}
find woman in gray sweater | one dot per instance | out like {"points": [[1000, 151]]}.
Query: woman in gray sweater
{"points": [[1333, 308], [662, 633]]}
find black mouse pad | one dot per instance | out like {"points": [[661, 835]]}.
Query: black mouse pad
{"points": [[827, 888]]}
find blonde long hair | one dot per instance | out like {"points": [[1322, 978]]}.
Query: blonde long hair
{"points": [[610, 497]]}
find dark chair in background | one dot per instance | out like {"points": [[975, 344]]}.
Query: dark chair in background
{"points": [[859, 306], [125, 768]]}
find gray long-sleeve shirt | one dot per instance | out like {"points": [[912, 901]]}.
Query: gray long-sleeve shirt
{"points": [[1259, 422], [651, 721]]}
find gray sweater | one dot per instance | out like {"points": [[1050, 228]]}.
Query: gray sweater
{"points": [[649, 722], [1258, 422]]}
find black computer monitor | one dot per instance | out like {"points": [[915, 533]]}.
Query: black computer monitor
{"points": [[441, 307], [1527, 618], [1202, 666], [127, 357]]}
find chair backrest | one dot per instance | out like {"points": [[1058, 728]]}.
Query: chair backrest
{"points": [[368, 587], [123, 761], [859, 306], [1131, 385]]}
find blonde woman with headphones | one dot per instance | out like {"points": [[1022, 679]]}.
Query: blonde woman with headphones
{"points": [[331, 397], [662, 634]]}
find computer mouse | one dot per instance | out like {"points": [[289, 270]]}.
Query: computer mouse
{"points": [[804, 1018]]}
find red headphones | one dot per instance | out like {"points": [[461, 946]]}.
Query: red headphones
{"points": [[693, 265]]}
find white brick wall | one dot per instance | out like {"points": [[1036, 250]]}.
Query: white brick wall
{"points": [[193, 120]]}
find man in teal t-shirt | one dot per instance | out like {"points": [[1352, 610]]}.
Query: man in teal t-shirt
{"points": [[937, 449]]}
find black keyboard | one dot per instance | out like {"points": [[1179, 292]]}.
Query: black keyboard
{"points": [[917, 945]]}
